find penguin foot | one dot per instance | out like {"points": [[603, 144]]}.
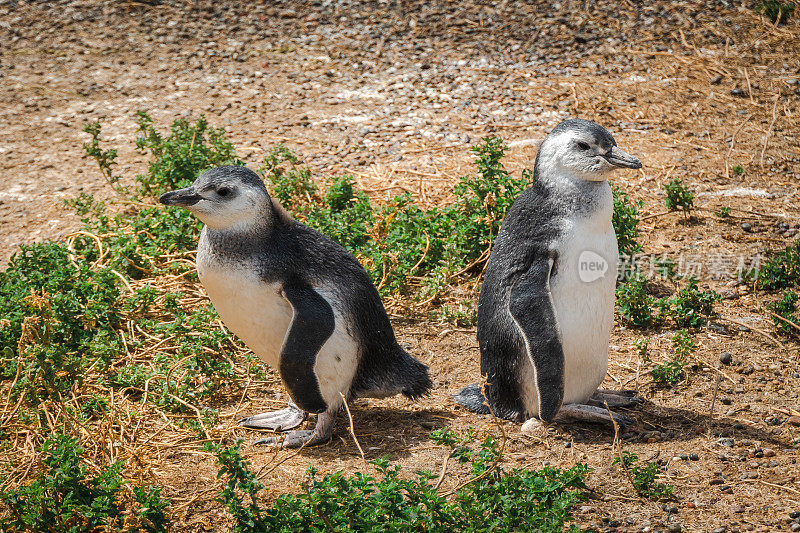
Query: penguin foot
{"points": [[305, 437], [473, 399], [288, 418], [295, 439], [592, 413], [623, 398]]}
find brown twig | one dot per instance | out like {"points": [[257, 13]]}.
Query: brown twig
{"points": [[353, 429]]}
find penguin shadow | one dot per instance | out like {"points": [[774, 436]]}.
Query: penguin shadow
{"points": [[382, 430], [656, 423]]}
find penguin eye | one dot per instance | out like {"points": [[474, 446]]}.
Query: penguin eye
{"points": [[223, 191], [582, 145]]}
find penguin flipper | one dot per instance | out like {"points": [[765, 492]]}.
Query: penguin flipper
{"points": [[473, 399], [313, 322], [532, 309]]}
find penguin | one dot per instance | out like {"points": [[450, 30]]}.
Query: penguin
{"points": [[546, 305], [302, 303]]}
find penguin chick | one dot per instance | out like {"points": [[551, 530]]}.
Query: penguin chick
{"points": [[546, 306], [300, 301]]}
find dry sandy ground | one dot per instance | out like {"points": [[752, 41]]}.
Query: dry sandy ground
{"points": [[396, 93]]}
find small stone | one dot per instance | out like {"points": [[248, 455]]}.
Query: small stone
{"points": [[683, 456], [747, 227], [674, 528], [532, 426], [671, 509], [794, 514], [725, 358], [795, 527], [738, 509], [694, 457], [727, 442], [726, 401], [738, 92], [722, 529], [793, 421], [716, 481], [726, 489]]}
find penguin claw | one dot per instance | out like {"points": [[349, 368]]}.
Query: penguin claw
{"points": [[624, 398]]}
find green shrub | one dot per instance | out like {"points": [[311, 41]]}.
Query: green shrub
{"points": [[679, 197], [625, 220], [690, 307], [182, 155], [290, 183], [777, 12], [59, 318], [785, 308], [400, 240], [669, 372], [65, 498], [634, 306], [781, 270], [723, 212], [494, 500], [644, 477]]}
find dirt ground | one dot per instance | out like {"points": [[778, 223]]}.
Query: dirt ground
{"points": [[396, 93]]}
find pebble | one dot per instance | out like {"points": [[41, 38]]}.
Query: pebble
{"points": [[671, 509], [728, 442], [769, 452], [793, 421], [738, 509], [674, 528], [747, 227], [694, 457], [738, 92], [795, 527], [794, 514], [725, 358], [722, 529]]}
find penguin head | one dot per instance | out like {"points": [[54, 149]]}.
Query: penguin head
{"points": [[581, 149], [225, 198]]}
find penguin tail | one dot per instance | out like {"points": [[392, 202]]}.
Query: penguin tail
{"points": [[473, 399], [417, 380]]}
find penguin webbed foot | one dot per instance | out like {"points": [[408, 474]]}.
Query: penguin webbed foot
{"points": [[473, 399], [287, 418], [295, 439], [321, 434], [614, 399], [595, 414]]}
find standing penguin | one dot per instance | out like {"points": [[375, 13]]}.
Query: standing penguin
{"points": [[300, 301], [546, 306]]}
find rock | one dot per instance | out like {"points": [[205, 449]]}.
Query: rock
{"points": [[722, 529], [694, 457], [793, 421], [674, 528], [725, 358], [747, 227], [739, 92], [727, 442], [794, 514], [795, 527], [532, 427]]}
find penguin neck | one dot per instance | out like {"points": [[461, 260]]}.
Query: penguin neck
{"points": [[242, 238], [579, 196]]}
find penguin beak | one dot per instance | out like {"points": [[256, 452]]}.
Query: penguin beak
{"points": [[181, 197], [618, 158]]}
